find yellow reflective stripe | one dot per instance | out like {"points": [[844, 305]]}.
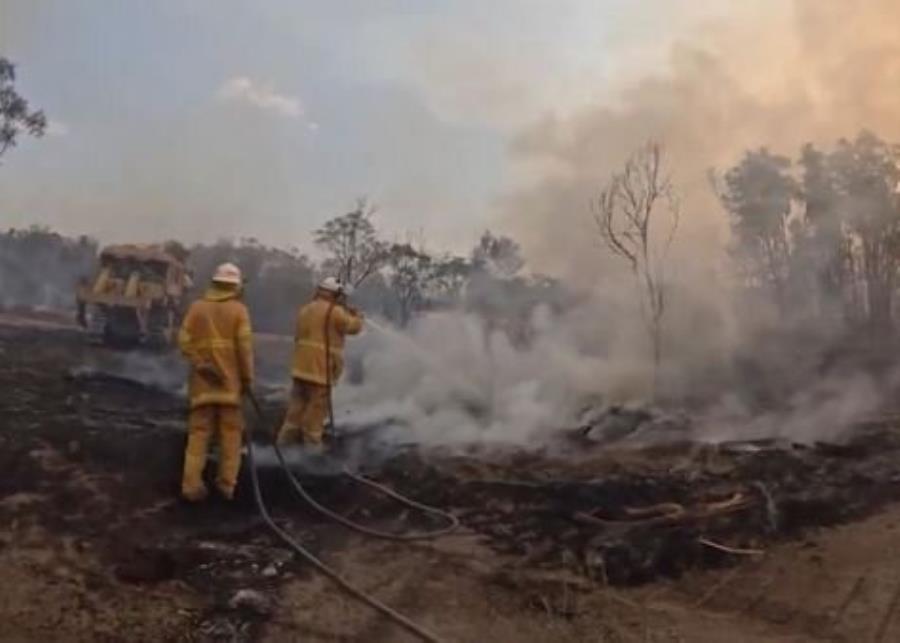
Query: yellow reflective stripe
{"points": [[318, 345], [215, 398], [307, 376]]}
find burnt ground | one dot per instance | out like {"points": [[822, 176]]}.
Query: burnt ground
{"points": [[743, 542]]}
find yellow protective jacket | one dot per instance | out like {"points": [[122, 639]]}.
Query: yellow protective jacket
{"points": [[216, 333], [309, 340]]}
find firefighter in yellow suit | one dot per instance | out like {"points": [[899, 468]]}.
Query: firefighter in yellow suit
{"points": [[318, 362], [216, 340]]}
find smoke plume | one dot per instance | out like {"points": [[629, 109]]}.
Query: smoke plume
{"points": [[815, 73]]}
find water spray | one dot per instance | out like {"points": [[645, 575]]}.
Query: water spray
{"points": [[473, 398]]}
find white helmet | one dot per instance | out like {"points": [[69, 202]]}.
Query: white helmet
{"points": [[227, 273], [336, 286]]}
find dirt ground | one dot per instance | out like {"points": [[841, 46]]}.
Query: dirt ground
{"points": [[94, 545]]}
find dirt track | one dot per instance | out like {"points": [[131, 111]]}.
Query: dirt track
{"points": [[94, 546]]}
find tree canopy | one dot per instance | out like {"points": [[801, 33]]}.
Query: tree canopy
{"points": [[16, 116]]}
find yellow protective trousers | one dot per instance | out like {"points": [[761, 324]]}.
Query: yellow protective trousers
{"points": [[228, 423], [306, 413]]}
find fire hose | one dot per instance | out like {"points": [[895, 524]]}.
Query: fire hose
{"points": [[321, 567], [452, 521], [324, 569]]}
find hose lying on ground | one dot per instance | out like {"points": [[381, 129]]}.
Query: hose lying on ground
{"points": [[372, 602], [452, 521]]}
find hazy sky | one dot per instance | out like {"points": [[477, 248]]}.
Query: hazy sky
{"points": [[200, 119]]}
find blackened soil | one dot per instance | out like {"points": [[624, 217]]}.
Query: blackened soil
{"points": [[97, 545]]}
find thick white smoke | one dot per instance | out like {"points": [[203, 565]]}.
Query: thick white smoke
{"points": [[450, 380]]}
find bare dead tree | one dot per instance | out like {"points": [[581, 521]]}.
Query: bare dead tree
{"points": [[631, 207], [351, 240]]}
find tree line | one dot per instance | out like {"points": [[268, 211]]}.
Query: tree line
{"points": [[820, 234], [398, 281], [395, 280]]}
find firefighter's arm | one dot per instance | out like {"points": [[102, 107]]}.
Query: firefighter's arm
{"points": [[186, 341], [297, 325], [244, 341], [197, 358], [349, 321]]}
